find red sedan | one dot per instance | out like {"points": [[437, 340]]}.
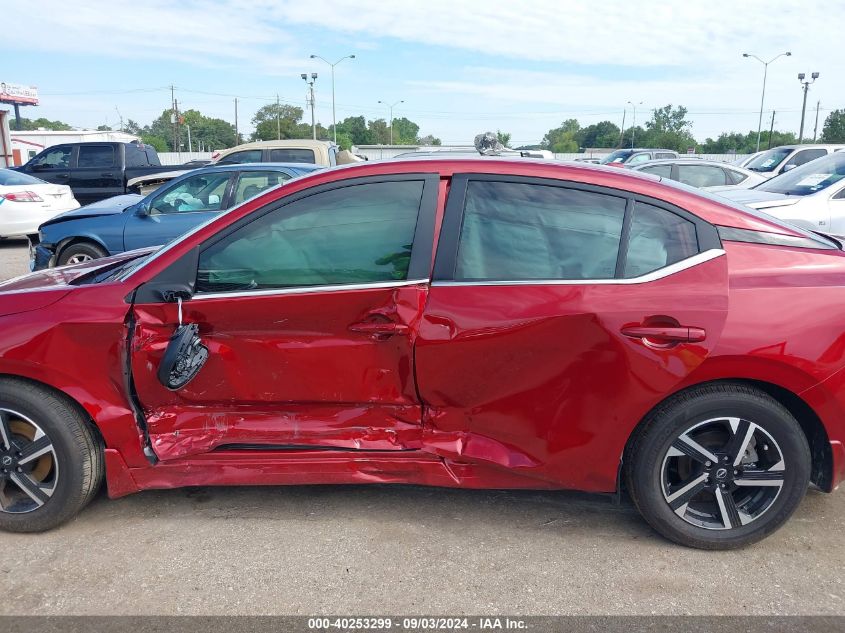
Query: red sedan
{"points": [[475, 323]]}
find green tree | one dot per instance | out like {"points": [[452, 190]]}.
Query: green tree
{"points": [[37, 124], [833, 130], [601, 134], [275, 121], [356, 128], [668, 128], [103, 128], [429, 139], [160, 144], [379, 132], [405, 131], [504, 138], [563, 139]]}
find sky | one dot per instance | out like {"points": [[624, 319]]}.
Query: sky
{"points": [[460, 67]]}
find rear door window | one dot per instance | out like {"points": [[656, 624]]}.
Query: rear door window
{"points": [[524, 231], [252, 183], [664, 171], [95, 156], [701, 175], [657, 238], [636, 159], [245, 156], [804, 156], [291, 155]]}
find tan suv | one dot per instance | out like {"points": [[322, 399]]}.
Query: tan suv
{"points": [[323, 153]]}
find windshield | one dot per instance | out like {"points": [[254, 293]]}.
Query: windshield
{"points": [[809, 178], [769, 161], [619, 156], [11, 178]]}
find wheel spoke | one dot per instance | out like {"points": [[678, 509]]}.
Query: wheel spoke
{"points": [[35, 449], [32, 489], [743, 431], [5, 432], [727, 508], [679, 499], [752, 477], [687, 446]]}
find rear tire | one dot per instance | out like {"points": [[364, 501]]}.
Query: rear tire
{"points": [[80, 253], [39, 493], [719, 466]]}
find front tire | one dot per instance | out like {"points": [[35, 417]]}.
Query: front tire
{"points": [[51, 462], [80, 253], [719, 466]]}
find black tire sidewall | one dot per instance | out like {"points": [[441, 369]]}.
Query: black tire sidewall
{"points": [[81, 248], [645, 476], [68, 494]]}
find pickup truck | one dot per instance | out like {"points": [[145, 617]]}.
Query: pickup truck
{"points": [[94, 171]]}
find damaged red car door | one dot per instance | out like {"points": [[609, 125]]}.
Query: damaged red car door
{"points": [[309, 308]]}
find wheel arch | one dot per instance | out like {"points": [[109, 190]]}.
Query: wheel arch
{"points": [[79, 239], [822, 468]]}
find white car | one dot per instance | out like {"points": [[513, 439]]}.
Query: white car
{"points": [[780, 160], [811, 196], [702, 173], [26, 202]]}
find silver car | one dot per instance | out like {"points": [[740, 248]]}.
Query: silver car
{"points": [[811, 196], [780, 160], [702, 173]]}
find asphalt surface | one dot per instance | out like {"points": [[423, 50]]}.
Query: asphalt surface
{"points": [[395, 550]]}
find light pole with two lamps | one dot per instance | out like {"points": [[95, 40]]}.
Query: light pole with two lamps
{"points": [[805, 87], [634, 123], [311, 92], [334, 116], [391, 106]]}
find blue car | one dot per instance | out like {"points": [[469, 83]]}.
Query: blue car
{"points": [[127, 222]]}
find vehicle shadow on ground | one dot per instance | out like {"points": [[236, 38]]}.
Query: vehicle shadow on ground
{"points": [[560, 513]]}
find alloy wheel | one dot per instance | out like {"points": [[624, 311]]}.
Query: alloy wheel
{"points": [[29, 469], [723, 473], [80, 258]]}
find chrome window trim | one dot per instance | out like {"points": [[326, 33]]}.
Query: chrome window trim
{"points": [[660, 273], [269, 292]]}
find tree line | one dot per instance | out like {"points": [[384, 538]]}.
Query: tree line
{"points": [[273, 121], [668, 127]]}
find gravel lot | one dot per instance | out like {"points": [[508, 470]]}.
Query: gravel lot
{"points": [[400, 550]]}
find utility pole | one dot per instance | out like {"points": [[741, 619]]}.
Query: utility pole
{"points": [[311, 100], [120, 116], [805, 87], [178, 134], [278, 121], [189, 138], [237, 135], [634, 121], [173, 118], [771, 130], [391, 106], [334, 115], [816, 126], [622, 134]]}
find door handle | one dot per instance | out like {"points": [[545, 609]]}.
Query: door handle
{"points": [[666, 334], [62, 175], [379, 328], [107, 174]]}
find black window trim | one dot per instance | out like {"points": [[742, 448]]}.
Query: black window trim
{"points": [[446, 259]]}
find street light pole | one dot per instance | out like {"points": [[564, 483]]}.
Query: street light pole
{"points": [[311, 90], [391, 106], [763, 96], [805, 87], [634, 121], [334, 116]]}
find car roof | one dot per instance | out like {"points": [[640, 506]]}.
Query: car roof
{"points": [[256, 167], [681, 159], [282, 143]]}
